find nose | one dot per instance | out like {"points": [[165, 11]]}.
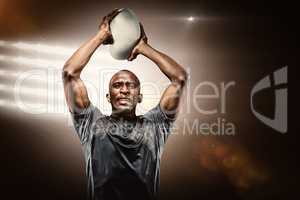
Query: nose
{"points": [[124, 89]]}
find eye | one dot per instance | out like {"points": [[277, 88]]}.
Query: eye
{"points": [[116, 85], [131, 85]]}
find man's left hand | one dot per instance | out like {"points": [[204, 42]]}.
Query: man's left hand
{"points": [[138, 49]]}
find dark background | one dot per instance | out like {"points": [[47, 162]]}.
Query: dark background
{"points": [[241, 41]]}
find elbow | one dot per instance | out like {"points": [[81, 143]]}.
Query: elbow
{"points": [[182, 78], [68, 73]]}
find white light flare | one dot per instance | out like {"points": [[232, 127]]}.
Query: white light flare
{"points": [[191, 19], [101, 56], [9, 73], [27, 91], [98, 61], [42, 48], [13, 104]]}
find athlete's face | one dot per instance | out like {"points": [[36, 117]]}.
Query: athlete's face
{"points": [[124, 91]]}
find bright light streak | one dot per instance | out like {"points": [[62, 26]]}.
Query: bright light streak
{"points": [[54, 101], [8, 73], [46, 63], [100, 57], [33, 61], [58, 93], [15, 74], [27, 107], [3, 87], [50, 75], [8, 103], [42, 48], [191, 19], [24, 90]]}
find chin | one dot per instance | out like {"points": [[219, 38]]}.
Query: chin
{"points": [[124, 108]]}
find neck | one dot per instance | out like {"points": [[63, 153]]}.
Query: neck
{"points": [[124, 114]]}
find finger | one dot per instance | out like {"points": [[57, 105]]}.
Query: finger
{"points": [[107, 18], [143, 34], [142, 30], [104, 20], [109, 40], [129, 58], [116, 10], [132, 57], [112, 14]]}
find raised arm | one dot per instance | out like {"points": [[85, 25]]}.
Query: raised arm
{"points": [[74, 88], [170, 99]]}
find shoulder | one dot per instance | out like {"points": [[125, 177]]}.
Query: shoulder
{"points": [[157, 114], [90, 113]]}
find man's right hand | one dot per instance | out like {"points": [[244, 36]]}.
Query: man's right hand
{"points": [[104, 26]]}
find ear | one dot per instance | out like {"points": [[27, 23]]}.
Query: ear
{"points": [[108, 97], [140, 98]]}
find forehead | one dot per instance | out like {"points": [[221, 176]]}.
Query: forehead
{"points": [[123, 77]]}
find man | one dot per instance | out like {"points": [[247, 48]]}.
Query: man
{"points": [[122, 151]]}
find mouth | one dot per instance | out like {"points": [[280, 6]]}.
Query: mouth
{"points": [[123, 100]]}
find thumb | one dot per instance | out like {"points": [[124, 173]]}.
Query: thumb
{"points": [[131, 57]]}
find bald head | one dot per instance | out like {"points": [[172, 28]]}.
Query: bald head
{"points": [[126, 75]]}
